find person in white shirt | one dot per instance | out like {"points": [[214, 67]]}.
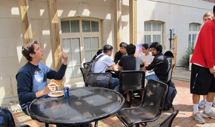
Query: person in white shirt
{"points": [[146, 55], [104, 62]]}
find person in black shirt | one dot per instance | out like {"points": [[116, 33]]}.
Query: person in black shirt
{"points": [[159, 65], [121, 52], [130, 62]]}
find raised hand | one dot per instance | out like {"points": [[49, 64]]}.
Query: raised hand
{"points": [[64, 56]]}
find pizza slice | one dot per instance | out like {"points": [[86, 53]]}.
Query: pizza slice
{"points": [[55, 82]]}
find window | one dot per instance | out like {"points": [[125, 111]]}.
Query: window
{"points": [[152, 31], [193, 31], [73, 26], [72, 47], [81, 39], [91, 45]]}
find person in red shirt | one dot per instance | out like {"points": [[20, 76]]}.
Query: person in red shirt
{"points": [[203, 70], [207, 16]]}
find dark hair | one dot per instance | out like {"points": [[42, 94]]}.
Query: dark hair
{"points": [[157, 46], [28, 48], [130, 49], [107, 48], [123, 44], [98, 52], [214, 9], [146, 46]]}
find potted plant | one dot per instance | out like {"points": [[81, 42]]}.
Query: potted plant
{"points": [[186, 58]]}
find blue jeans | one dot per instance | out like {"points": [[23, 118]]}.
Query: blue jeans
{"points": [[153, 76], [104, 82], [115, 84]]}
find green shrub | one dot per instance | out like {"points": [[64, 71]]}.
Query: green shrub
{"points": [[186, 57]]}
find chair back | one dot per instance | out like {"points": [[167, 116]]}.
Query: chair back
{"points": [[154, 96], [169, 56], [131, 80], [169, 77], [168, 121], [84, 72], [98, 80]]}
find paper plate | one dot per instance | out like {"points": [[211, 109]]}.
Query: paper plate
{"points": [[57, 93]]}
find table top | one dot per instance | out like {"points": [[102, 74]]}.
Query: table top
{"points": [[85, 104]]}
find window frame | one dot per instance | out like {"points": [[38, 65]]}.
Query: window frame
{"points": [[151, 32], [191, 41], [81, 35]]}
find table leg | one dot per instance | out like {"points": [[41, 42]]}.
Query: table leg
{"points": [[46, 124], [96, 124]]}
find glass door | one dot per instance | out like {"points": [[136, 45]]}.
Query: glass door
{"points": [[72, 47], [91, 46]]}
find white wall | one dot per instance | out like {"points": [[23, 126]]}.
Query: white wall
{"points": [[175, 14], [11, 36]]}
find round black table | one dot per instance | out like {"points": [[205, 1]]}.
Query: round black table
{"points": [[85, 104]]}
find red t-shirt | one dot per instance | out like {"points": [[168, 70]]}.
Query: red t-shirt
{"points": [[204, 53]]}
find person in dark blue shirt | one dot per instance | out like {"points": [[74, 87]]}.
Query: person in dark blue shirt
{"points": [[32, 77]]}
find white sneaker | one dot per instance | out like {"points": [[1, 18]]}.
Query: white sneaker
{"points": [[198, 118], [202, 104], [213, 104], [209, 115]]}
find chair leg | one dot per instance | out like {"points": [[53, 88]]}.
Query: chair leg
{"points": [[144, 124], [46, 124], [173, 108], [96, 124], [137, 125], [130, 94]]}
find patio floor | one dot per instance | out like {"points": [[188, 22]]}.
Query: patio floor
{"points": [[182, 102]]}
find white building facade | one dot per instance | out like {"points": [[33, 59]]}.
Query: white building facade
{"points": [[86, 25]]}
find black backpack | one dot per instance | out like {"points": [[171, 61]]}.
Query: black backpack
{"points": [[89, 65], [170, 96], [6, 118]]}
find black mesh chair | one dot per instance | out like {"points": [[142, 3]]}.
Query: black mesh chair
{"points": [[98, 80], [168, 121], [84, 72], [150, 109], [131, 80], [169, 55], [170, 73]]}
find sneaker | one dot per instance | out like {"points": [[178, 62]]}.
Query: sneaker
{"points": [[210, 114], [213, 104], [202, 104], [198, 118]]}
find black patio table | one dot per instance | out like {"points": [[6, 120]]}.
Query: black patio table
{"points": [[84, 105], [114, 73]]}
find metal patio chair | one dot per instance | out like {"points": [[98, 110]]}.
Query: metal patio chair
{"points": [[98, 80], [168, 121], [131, 80], [149, 110], [84, 72]]}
